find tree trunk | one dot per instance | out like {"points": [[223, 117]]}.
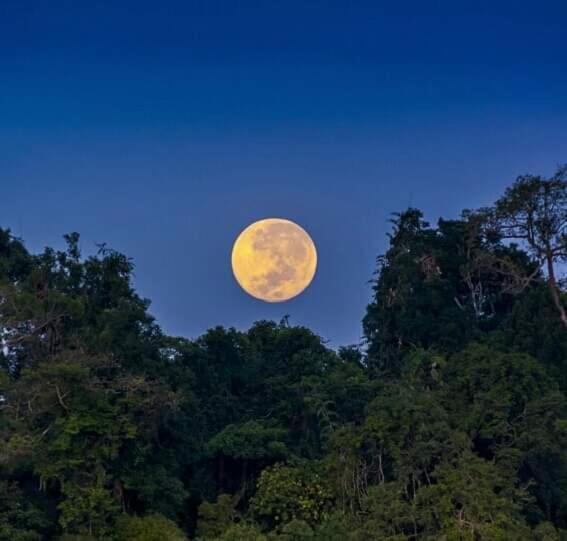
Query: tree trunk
{"points": [[554, 288]]}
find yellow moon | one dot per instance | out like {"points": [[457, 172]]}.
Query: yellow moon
{"points": [[274, 259]]}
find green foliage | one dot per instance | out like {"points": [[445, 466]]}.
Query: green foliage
{"points": [[148, 528], [471, 498], [216, 518], [288, 493], [90, 510], [242, 532], [77, 537], [250, 440], [546, 532], [451, 424], [417, 283], [533, 327], [296, 530], [335, 527], [20, 520]]}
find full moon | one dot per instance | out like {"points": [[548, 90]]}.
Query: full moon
{"points": [[274, 259]]}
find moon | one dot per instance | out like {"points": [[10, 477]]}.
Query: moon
{"points": [[274, 259]]}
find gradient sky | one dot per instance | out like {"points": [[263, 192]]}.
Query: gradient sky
{"points": [[164, 128]]}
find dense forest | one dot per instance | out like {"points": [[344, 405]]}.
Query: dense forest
{"points": [[448, 422]]}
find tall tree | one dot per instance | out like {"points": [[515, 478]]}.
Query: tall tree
{"points": [[533, 212]]}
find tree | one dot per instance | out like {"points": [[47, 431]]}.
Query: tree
{"points": [[248, 444], [421, 298], [451, 424], [534, 212], [287, 493], [148, 528], [20, 519], [75, 408], [216, 518]]}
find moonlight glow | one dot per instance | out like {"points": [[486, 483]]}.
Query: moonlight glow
{"points": [[274, 260]]}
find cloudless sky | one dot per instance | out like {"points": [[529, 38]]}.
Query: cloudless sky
{"points": [[164, 128]]}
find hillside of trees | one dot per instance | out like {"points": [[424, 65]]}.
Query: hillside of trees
{"points": [[449, 422]]}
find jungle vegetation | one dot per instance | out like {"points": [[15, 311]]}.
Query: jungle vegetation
{"points": [[448, 422]]}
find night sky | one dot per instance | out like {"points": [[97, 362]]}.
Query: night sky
{"points": [[164, 128]]}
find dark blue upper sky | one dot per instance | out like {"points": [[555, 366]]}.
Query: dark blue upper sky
{"points": [[164, 128]]}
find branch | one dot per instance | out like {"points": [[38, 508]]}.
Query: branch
{"points": [[60, 398]]}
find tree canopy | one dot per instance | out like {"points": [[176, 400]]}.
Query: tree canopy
{"points": [[448, 422]]}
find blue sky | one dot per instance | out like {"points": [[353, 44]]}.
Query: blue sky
{"points": [[165, 128]]}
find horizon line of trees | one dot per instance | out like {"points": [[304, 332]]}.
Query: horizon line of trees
{"points": [[450, 423]]}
